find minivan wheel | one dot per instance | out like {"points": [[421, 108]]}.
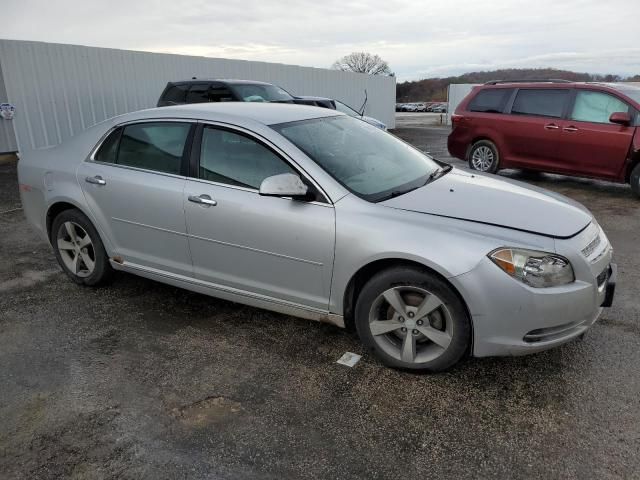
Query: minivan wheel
{"points": [[79, 250], [634, 180], [484, 157], [411, 319]]}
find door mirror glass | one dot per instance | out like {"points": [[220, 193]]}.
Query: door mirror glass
{"points": [[283, 185], [621, 118]]}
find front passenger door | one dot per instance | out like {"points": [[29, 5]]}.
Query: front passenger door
{"points": [[268, 246]]}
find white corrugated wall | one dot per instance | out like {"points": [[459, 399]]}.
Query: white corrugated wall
{"points": [[60, 90], [7, 135]]}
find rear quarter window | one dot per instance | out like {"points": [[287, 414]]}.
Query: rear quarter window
{"points": [[490, 100]]}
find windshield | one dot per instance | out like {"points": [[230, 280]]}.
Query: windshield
{"points": [[372, 164], [254, 92], [341, 107]]}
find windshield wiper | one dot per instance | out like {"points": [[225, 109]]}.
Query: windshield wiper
{"points": [[437, 174]]}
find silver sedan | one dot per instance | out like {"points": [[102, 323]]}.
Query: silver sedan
{"points": [[312, 213]]}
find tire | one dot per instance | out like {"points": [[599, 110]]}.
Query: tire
{"points": [[634, 180], [380, 326], [79, 250], [484, 157]]}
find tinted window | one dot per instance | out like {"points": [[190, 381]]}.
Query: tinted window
{"points": [[154, 146], [596, 107], [175, 93], [109, 148], [198, 93], [220, 93], [542, 102], [253, 92], [234, 159], [490, 100]]}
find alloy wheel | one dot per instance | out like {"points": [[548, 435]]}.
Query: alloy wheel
{"points": [[411, 324], [482, 158], [76, 249]]}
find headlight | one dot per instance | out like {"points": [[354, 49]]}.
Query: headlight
{"points": [[536, 269]]}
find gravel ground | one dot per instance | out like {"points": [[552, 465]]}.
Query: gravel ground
{"points": [[142, 380]]}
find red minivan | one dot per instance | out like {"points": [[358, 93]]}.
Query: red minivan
{"points": [[583, 129]]}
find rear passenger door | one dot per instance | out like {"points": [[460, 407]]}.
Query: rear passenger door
{"points": [[133, 185], [591, 144], [534, 130]]}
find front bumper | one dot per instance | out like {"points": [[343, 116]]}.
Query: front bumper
{"points": [[511, 318]]}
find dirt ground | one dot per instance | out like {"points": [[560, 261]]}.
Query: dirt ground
{"points": [[145, 381]]}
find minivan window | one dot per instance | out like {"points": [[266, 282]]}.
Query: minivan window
{"points": [[596, 107], [155, 146], [490, 100], [548, 102], [234, 159], [175, 93]]}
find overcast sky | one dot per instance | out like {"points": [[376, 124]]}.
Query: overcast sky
{"points": [[418, 38]]}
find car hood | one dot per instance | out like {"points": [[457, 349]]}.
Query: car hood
{"points": [[495, 201], [375, 122]]}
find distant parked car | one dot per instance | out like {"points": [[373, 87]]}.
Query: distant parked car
{"points": [[221, 90], [341, 107], [439, 109], [582, 129]]}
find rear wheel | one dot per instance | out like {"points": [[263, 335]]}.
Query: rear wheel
{"points": [[634, 180], [79, 250], [484, 157], [412, 320]]}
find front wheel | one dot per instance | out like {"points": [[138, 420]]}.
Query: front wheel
{"points": [[413, 320], [484, 157]]}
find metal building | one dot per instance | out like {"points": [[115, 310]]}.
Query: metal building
{"points": [[60, 90]]}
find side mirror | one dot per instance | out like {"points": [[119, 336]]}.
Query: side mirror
{"points": [[620, 118], [283, 185]]}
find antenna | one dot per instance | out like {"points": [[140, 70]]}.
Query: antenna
{"points": [[366, 97]]}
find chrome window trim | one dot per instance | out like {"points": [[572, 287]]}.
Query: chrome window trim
{"points": [[283, 155]]}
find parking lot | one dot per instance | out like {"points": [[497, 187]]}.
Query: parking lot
{"points": [[143, 380]]}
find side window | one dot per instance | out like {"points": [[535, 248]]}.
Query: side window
{"points": [[175, 94], [198, 93], [155, 146], [490, 100], [220, 93], [546, 102], [596, 107], [231, 158], [109, 148]]}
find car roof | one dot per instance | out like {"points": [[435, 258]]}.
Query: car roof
{"points": [[221, 80], [234, 112]]}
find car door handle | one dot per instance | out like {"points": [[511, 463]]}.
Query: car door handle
{"points": [[570, 129], [97, 180], [203, 200], [551, 126]]}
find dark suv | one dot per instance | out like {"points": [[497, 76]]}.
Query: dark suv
{"points": [[582, 129], [216, 90]]}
